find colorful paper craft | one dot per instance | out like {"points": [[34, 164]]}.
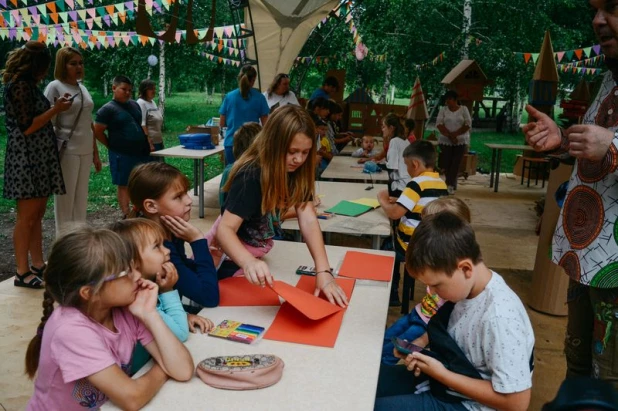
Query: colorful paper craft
{"points": [[371, 202], [311, 306], [349, 208], [367, 266], [238, 292], [291, 326], [237, 331]]}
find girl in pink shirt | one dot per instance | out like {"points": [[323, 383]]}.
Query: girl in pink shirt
{"points": [[82, 350]]}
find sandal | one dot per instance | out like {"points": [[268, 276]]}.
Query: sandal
{"points": [[35, 283], [38, 271]]}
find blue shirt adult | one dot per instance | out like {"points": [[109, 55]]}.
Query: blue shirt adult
{"points": [[238, 111], [320, 92]]}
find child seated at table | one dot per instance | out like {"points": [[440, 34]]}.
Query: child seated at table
{"points": [[158, 192], [95, 308], [367, 148], [325, 153], [424, 187], [414, 325], [481, 337], [243, 137], [152, 259]]}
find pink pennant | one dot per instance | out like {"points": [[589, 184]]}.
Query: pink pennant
{"points": [[89, 23], [229, 30], [92, 12], [560, 56], [126, 40], [177, 37]]}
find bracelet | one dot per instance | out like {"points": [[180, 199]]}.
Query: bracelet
{"points": [[330, 271]]}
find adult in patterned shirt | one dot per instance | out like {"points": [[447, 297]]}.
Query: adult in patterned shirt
{"points": [[585, 243]]}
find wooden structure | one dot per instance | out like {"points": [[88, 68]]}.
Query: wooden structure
{"points": [[363, 116], [544, 84], [417, 110], [468, 80]]}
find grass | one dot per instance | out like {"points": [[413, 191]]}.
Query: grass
{"points": [[182, 109], [190, 108]]}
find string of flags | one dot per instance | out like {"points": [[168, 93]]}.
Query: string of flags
{"points": [[438, 59], [565, 68], [567, 55], [324, 60]]}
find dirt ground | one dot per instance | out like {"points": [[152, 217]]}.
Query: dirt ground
{"points": [[98, 218]]}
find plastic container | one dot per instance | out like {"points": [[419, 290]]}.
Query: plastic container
{"points": [[199, 141]]}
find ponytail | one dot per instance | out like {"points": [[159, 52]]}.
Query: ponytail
{"points": [[34, 348], [246, 77], [395, 121]]}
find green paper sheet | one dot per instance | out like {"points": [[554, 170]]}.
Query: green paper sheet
{"points": [[349, 208]]}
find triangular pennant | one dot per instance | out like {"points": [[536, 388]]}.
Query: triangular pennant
{"points": [[535, 57], [597, 49], [579, 53], [569, 55], [588, 51], [559, 56], [70, 4], [61, 5], [14, 3]]}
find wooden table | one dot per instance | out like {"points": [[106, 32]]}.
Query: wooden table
{"points": [[347, 168], [314, 378], [198, 157], [374, 222], [496, 160], [350, 148]]}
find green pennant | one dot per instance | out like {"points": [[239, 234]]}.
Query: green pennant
{"points": [[569, 55], [61, 5], [101, 11], [588, 51], [81, 24], [45, 18]]}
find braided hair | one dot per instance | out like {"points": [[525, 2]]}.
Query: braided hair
{"points": [[80, 258]]}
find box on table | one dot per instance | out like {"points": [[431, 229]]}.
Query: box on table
{"points": [[202, 129]]}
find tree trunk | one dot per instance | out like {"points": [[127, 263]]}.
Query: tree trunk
{"points": [[465, 28], [162, 79], [387, 84], [105, 86]]}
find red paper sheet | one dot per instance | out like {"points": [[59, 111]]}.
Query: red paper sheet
{"points": [[315, 308], [292, 326], [238, 292], [365, 266]]}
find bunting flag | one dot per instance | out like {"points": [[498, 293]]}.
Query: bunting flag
{"points": [[567, 55], [325, 60], [566, 68], [438, 59], [220, 60], [69, 35]]}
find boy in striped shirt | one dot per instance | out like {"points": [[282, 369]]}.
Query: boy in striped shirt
{"points": [[425, 186]]}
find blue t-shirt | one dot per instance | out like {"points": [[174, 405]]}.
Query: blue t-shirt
{"points": [[124, 128], [238, 111], [319, 93]]}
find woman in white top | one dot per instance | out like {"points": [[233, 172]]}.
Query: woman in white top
{"points": [[279, 94], [398, 176], [152, 120], [75, 127], [454, 124]]}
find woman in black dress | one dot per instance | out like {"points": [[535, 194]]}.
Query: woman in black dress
{"points": [[32, 167]]}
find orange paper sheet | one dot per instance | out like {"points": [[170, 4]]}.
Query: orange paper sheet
{"points": [[292, 326], [315, 308], [238, 292], [365, 266]]}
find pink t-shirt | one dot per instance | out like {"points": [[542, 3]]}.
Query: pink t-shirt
{"points": [[75, 347]]}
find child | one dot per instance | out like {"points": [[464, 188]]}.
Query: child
{"points": [[325, 150], [366, 149], [158, 192], [82, 349], [337, 139], [243, 138], [127, 143], [152, 259], [425, 186], [414, 325], [484, 318], [275, 174], [398, 175], [408, 127]]}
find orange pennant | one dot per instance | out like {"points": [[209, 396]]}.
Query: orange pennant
{"points": [[54, 17], [51, 6], [527, 57], [123, 17], [109, 9], [579, 53]]}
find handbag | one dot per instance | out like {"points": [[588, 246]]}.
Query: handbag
{"points": [[241, 372], [62, 144]]}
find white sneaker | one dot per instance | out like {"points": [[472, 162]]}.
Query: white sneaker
{"points": [[450, 190]]}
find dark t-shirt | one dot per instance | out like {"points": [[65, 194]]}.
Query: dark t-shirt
{"points": [[245, 200], [124, 130]]}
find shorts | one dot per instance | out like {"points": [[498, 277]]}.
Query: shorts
{"points": [[120, 166]]}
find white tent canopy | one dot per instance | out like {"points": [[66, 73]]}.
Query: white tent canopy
{"points": [[281, 29]]}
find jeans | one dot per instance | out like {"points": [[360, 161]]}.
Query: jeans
{"points": [[591, 341], [449, 160], [409, 327], [414, 402], [229, 155]]}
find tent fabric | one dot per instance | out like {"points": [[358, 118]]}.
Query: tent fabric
{"points": [[281, 28]]}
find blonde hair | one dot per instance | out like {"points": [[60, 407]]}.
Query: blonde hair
{"points": [[136, 232], [82, 257], [280, 190], [152, 181], [63, 56], [246, 77], [28, 62], [451, 204]]}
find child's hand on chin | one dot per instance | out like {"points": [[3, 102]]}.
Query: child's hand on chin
{"points": [[145, 302], [167, 278], [181, 229]]}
